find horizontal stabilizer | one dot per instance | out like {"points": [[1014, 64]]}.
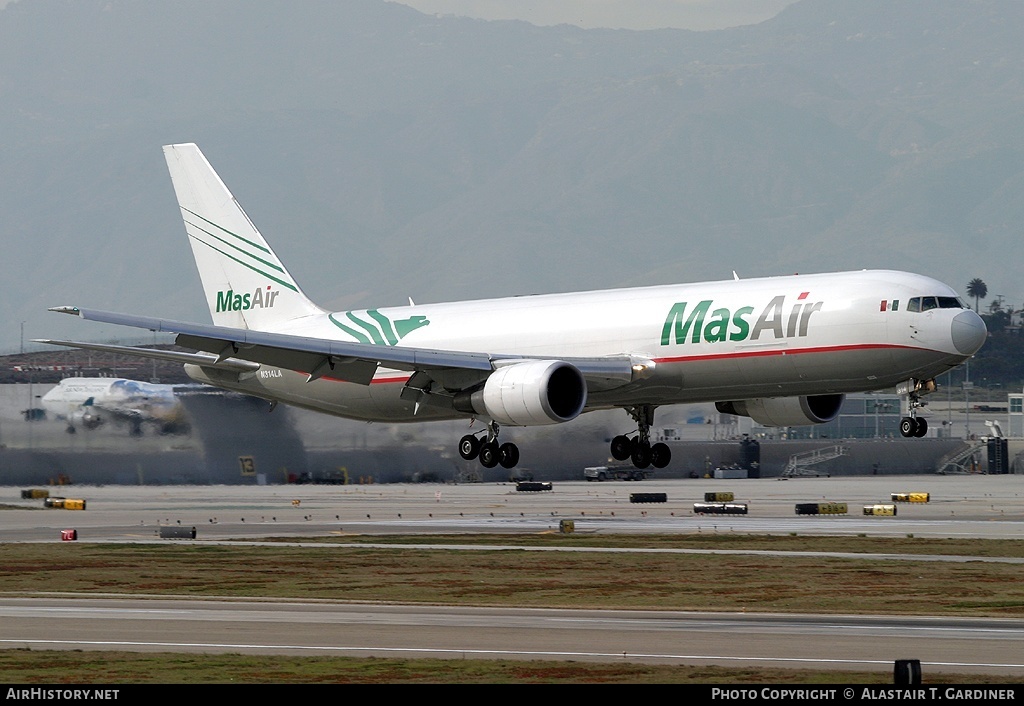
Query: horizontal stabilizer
{"points": [[207, 360]]}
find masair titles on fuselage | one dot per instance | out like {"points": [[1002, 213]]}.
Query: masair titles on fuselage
{"points": [[722, 324]]}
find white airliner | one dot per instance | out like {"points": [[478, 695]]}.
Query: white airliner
{"points": [[782, 350], [90, 402]]}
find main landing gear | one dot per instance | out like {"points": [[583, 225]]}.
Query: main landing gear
{"points": [[913, 425], [639, 449], [488, 450]]}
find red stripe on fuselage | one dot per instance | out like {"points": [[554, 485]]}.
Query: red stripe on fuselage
{"points": [[797, 351]]}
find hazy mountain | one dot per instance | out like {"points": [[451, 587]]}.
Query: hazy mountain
{"points": [[387, 154]]}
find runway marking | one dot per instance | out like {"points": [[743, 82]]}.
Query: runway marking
{"points": [[492, 653]]}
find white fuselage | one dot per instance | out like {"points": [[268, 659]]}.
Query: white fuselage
{"points": [[69, 395], [710, 341]]}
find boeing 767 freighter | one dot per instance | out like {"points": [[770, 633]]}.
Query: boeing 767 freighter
{"points": [[782, 350]]}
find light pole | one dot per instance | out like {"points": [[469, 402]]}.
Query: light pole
{"points": [[22, 337], [967, 398], [885, 406]]}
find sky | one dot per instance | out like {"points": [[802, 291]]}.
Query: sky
{"points": [[614, 14]]}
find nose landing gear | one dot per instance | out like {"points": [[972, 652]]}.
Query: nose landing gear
{"points": [[914, 426], [639, 448]]}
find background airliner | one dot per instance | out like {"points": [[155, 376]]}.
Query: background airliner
{"points": [[91, 402], [782, 350]]}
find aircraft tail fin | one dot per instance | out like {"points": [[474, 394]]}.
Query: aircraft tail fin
{"points": [[246, 285]]}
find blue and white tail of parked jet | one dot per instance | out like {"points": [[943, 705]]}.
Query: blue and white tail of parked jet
{"points": [[782, 350]]}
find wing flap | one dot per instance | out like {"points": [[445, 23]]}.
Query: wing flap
{"points": [[316, 364]]}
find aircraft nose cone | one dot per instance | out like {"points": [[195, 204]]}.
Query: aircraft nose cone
{"points": [[968, 332]]}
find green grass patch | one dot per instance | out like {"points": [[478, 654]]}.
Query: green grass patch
{"points": [[85, 667], [787, 582]]}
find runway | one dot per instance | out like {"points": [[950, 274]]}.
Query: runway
{"points": [[972, 506], [859, 643], [981, 506]]}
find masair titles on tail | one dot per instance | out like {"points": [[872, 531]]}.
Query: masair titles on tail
{"points": [[782, 350]]}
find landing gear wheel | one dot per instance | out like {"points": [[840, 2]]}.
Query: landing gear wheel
{"points": [[907, 426], [640, 446], [922, 427], [641, 456], [621, 447], [508, 455], [489, 455], [469, 447], [660, 455]]}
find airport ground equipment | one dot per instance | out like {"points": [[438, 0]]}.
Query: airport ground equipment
{"points": [[64, 503], [731, 473], [800, 464], [880, 509], [963, 460], [648, 497], [532, 486], [719, 508], [718, 497], [910, 497], [821, 508], [177, 532], [602, 473]]}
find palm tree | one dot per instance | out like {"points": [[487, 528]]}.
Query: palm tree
{"points": [[978, 289]]}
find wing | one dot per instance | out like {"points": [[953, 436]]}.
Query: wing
{"points": [[245, 349]]}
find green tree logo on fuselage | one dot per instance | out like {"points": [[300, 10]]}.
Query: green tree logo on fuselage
{"points": [[380, 329]]}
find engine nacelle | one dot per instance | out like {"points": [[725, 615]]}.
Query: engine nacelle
{"points": [[786, 411], [530, 393], [85, 418]]}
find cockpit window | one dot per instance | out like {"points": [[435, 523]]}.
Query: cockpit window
{"points": [[928, 303]]}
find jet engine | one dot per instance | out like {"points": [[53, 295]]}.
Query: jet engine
{"points": [[529, 393], [786, 411], [85, 418]]}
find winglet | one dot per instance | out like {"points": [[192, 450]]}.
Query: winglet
{"points": [[73, 310]]}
